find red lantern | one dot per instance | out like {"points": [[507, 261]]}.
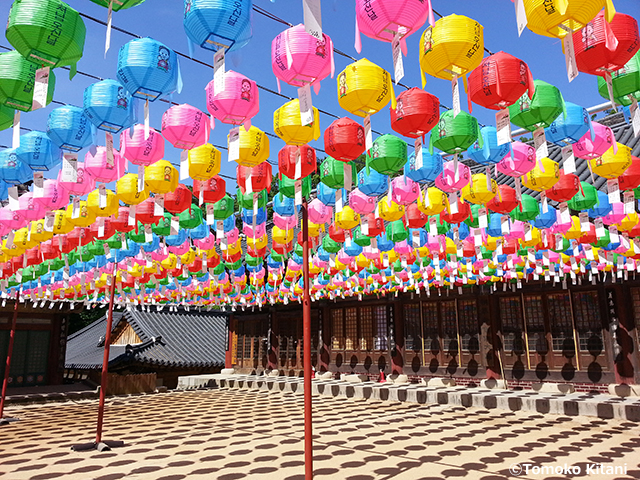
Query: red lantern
{"points": [[602, 46], [261, 176], [510, 247], [33, 256], [48, 250], [416, 218], [504, 201], [145, 212], [231, 258], [499, 81], [635, 231], [630, 179], [336, 233], [287, 157], [62, 244], [344, 139], [212, 189], [109, 229], [376, 225], [313, 241], [196, 265], [281, 248], [464, 211], [213, 260], [121, 220], [177, 201], [468, 248], [590, 236], [416, 113], [7, 269], [79, 236], [567, 186]]}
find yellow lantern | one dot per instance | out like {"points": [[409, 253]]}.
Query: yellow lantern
{"points": [[315, 229], [257, 243], [612, 165], [628, 222], [204, 162], [161, 177], [575, 232], [127, 190], [287, 124], [477, 192], [12, 252], [536, 238], [347, 218], [84, 218], [233, 248], [452, 47], [432, 201], [390, 210], [38, 233], [544, 17], [110, 202], [188, 257], [281, 236], [61, 225], [491, 243], [23, 240], [362, 261], [365, 88], [254, 146], [170, 262], [539, 180], [451, 248]]}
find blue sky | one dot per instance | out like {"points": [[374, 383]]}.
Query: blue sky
{"points": [[162, 20]]}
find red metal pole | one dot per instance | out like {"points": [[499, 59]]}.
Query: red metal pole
{"points": [[105, 359], [306, 333], [5, 383]]}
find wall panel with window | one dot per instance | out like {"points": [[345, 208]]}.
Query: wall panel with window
{"points": [[590, 331], [513, 334]]}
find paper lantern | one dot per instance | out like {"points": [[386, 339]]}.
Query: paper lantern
{"points": [[12, 170], [99, 167], [319, 212], [210, 190], [364, 88], [528, 209], [565, 188], [585, 198], [463, 212], [223, 208], [545, 18], [254, 147], [499, 81], [570, 126], [453, 46], [127, 190], [361, 203], [290, 154], [121, 220], [546, 219], [191, 218], [54, 196], [161, 177], [287, 124], [416, 113], [69, 128], [12, 219], [602, 207], [540, 110], [178, 201], [613, 163], [404, 190], [109, 106], [625, 82], [38, 151], [204, 162], [146, 213], [454, 133], [84, 217], [84, 181], [105, 207], [29, 208], [387, 155], [332, 172], [17, 79], [424, 169], [347, 218], [260, 177], [248, 200], [185, 127], [490, 152], [603, 45], [477, 191], [504, 201], [595, 143], [148, 69], [6, 117], [46, 32], [140, 150], [215, 24], [344, 139], [543, 176], [287, 186], [520, 162], [432, 201], [630, 179], [237, 103], [390, 210], [450, 181]]}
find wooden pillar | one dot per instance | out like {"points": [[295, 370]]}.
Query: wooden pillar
{"points": [[490, 326], [324, 338], [396, 336], [621, 327], [230, 344], [273, 346]]}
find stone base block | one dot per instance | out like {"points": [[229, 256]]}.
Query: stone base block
{"points": [[324, 376], [273, 373], [227, 371], [439, 382], [398, 379], [354, 378], [553, 388], [624, 390], [493, 384]]}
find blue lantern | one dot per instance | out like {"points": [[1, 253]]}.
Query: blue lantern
{"points": [[545, 220], [148, 69], [215, 24], [417, 237], [109, 106], [151, 246], [229, 223], [4, 191], [427, 172], [69, 128], [38, 151], [494, 225], [327, 195], [374, 183], [12, 170], [569, 127], [284, 206], [488, 152], [177, 239], [602, 208], [384, 245], [247, 216], [351, 248], [199, 232]]}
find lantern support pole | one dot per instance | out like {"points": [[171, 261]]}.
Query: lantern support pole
{"points": [[306, 333], [99, 444], [5, 383]]}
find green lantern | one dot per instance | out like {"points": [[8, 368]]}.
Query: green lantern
{"points": [[56, 264], [96, 247], [473, 220], [137, 234], [114, 241], [163, 227], [223, 208], [17, 79], [233, 265], [455, 134], [359, 238], [218, 269], [442, 226], [330, 245], [528, 209], [586, 198], [541, 110], [118, 5], [253, 261], [332, 172], [191, 217], [625, 81], [84, 254], [287, 186], [246, 200], [277, 257], [603, 241], [48, 33], [396, 231], [387, 155], [6, 117]]}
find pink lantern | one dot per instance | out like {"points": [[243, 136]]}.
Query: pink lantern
{"points": [[447, 181], [362, 204], [381, 19], [13, 220], [231, 236], [284, 223], [180, 249], [257, 232], [370, 252], [185, 126], [516, 230], [139, 150], [298, 58], [519, 162], [99, 167], [82, 186], [159, 255], [294, 266], [404, 190], [206, 243], [237, 103], [403, 248], [344, 258], [54, 196], [320, 213], [616, 215], [560, 226], [29, 208], [595, 143]]}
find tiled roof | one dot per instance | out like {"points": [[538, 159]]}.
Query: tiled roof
{"points": [[169, 339]]}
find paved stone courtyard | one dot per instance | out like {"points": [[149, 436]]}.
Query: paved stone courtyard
{"points": [[251, 434]]}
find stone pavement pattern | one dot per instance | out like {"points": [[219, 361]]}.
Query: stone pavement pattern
{"points": [[253, 434]]}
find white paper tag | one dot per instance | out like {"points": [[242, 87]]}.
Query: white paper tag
{"points": [[569, 54], [540, 143], [148, 234], [364, 225], [234, 144], [453, 203], [298, 192], [504, 225], [482, 218], [418, 154], [147, 128], [14, 203], [15, 142], [40, 88], [107, 40], [584, 221], [635, 116], [613, 234], [69, 168], [312, 18], [219, 70], [100, 227], [49, 218], [175, 225], [565, 216], [503, 126], [184, 164], [306, 108], [368, 137], [102, 195], [338, 200], [613, 190], [544, 201], [347, 176], [109, 141], [398, 66], [38, 185], [75, 209], [141, 182], [599, 224], [629, 202], [209, 218], [433, 227], [521, 16], [609, 83], [568, 159], [455, 92], [131, 220], [10, 236], [158, 205]]}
